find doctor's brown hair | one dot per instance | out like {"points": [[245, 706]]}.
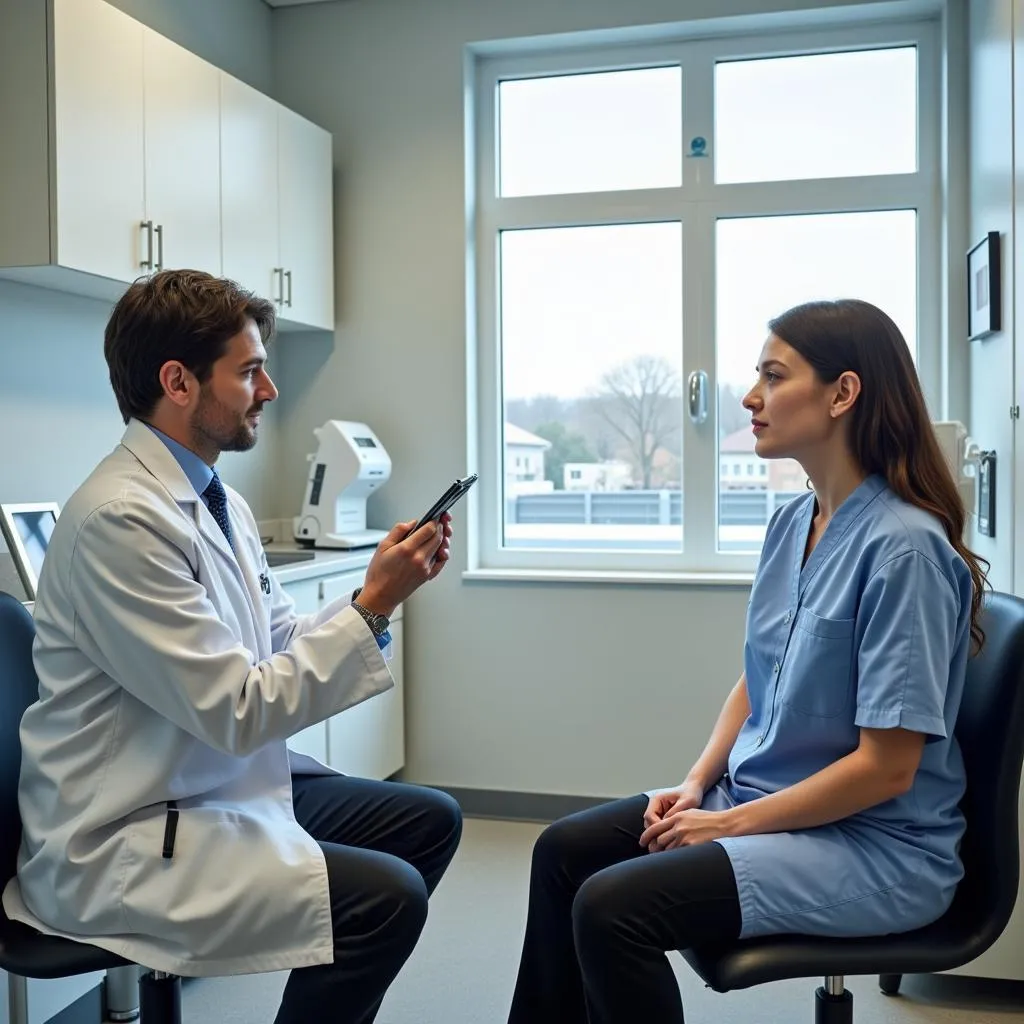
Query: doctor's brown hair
{"points": [[890, 431], [183, 315]]}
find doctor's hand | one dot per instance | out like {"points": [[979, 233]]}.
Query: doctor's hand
{"points": [[685, 828], [403, 562]]}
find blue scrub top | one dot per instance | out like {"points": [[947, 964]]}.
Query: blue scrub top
{"points": [[873, 631]]}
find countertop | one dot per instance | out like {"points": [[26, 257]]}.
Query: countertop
{"points": [[323, 562]]}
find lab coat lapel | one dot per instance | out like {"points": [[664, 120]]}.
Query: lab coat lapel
{"points": [[250, 565], [158, 460]]}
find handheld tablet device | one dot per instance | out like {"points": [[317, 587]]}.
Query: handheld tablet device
{"points": [[445, 502]]}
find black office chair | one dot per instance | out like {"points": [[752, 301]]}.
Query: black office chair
{"points": [[24, 952], [990, 729]]}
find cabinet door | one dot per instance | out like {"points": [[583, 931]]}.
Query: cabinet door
{"points": [[98, 124], [248, 166], [182, 132], [369, 739], [392, 710], [305, 594], [342, 585], [307, 221], [312, 740]]}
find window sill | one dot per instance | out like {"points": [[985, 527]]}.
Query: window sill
{"points": [[605, 576]]}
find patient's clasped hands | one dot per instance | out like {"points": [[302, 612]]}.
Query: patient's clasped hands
{"points": [[673, 818]]}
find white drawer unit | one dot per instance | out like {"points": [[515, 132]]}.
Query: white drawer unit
{"points": [[367, 740]]}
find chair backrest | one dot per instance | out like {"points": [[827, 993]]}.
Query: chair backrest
{"points": [[990, 729], [19, 688]]}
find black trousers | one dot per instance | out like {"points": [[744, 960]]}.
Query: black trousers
{"points": [[387, 846], [603, 912]]}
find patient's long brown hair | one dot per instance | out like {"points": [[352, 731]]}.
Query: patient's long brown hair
{"points": [[890, 431]]}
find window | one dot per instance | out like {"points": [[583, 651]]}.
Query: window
{"points": [[639, 215]]}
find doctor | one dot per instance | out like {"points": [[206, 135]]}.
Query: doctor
{"points": [[164, 818]]}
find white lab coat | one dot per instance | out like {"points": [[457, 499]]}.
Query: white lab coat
{"points": [[167, 673]]}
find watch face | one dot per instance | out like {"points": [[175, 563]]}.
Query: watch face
{"points": [[380, 624]]}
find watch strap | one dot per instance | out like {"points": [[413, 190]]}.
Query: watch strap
{"points": [[378, 623]]}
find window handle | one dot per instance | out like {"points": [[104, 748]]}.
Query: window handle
{"points": [[697, 395]]}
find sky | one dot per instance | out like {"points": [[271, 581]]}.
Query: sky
{"points": [[576, 301]]}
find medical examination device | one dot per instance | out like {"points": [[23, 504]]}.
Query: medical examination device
{"points": [[347, 467]]}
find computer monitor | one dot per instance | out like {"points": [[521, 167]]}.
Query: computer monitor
{"points": [[27, 529]]}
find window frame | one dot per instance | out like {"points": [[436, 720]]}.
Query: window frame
{"points": [[697, 203]]}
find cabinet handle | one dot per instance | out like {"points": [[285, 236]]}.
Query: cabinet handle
{"points": [[288, 274], [159, 247], [279, 274], [147, 226]]}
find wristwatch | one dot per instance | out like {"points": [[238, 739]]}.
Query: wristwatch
{"points": [[378, 623]]}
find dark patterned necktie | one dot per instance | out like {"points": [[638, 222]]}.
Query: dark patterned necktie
{"points": [[217, 503]]}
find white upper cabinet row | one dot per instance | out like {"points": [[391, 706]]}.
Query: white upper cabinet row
{"points": [[155, 159]]}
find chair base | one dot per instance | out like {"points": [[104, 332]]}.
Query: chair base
{"points": [[829, 1009], [160, 998], [121, 994]]}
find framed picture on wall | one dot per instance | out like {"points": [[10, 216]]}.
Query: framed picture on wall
{"points": [[984, 299]]}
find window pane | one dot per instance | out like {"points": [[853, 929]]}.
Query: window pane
{"points": [[823, 116], [764, 266], [591, 356], [590, 133]]}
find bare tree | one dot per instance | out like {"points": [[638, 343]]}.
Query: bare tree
{"points": [[641, 403], [731, 414]]}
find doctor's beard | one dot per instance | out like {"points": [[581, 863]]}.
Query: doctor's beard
{"points": [[220, 427]]}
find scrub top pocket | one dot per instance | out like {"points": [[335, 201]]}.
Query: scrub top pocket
{"points": [[821, 654]]}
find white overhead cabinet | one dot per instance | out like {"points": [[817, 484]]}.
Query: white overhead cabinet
{"points": [[99, 139], [182, 161], [249, 184], [307, 224], [276, 202], [124, 153]]}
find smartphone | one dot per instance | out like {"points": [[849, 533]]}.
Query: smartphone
{"points": [[445, 502]]}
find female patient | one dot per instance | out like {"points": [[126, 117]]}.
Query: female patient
{"points": [[825, 801]]}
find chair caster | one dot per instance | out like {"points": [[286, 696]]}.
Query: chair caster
{"points": [[890, 983], [160, 998], [829, 1009]]}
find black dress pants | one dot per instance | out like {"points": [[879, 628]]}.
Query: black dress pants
{"points": [[386, 845], [603, 912]]}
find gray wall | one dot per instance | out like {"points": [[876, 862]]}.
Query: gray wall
{"points": [[580, 689], [233, 34], [57, 413]]}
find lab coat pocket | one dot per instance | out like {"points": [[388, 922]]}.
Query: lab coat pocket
{"points": [[818, 674], [216, 859]]}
